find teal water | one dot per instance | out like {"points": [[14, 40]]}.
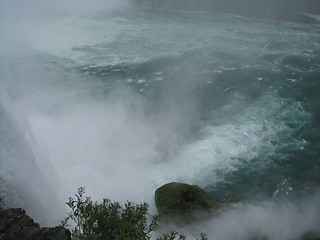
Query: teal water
{"points": [[124, 101]]}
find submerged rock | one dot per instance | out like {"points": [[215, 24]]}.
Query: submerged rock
{"points": [[180, 199], [15, 224]]}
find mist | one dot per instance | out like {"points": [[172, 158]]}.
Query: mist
{"points": [[264, 220], [70, 133]]}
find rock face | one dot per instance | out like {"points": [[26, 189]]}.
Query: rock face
{"points": [[180, 199], [15, 224]]}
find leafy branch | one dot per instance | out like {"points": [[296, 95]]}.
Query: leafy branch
{"points": [[109, 220]]}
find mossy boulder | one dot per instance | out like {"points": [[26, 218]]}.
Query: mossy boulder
{"points": [[179, 199]]}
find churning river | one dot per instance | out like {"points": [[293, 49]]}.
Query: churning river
{"points": [[123, 100]]}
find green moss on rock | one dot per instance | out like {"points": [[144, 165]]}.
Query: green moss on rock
{"points": [[180, 198]]}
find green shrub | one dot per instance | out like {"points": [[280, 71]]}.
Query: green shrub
{"points": [[109, 220]]}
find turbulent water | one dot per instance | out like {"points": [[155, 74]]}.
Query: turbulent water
{"points": [[123, 100]]}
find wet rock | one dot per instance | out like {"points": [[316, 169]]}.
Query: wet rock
{"points": [[15, 224], [180, 199], [311, 236]]}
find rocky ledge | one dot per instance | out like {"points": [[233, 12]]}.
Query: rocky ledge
{"points": [[15, 224]]}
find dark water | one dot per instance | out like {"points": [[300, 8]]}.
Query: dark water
{"points": [[124, 101]]}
